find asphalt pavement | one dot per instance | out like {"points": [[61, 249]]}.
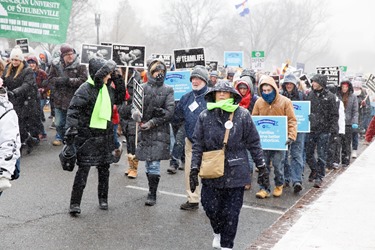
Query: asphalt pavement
{"points": [[34, 211]]}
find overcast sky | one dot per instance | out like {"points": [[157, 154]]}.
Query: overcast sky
{"points": [[351, 23]]}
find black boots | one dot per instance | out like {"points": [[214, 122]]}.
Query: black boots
{"points": [[103, 179], [75, 202], [153, 182]]}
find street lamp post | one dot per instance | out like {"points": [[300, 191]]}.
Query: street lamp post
{"points": [[97, 23]]}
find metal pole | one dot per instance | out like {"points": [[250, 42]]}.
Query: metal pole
{"points": [[97, 23]]}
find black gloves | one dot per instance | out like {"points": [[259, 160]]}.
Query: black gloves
{"points": [[11, 96], [193, 178], [70, 134], [61, 81], [158, 112], [263, 176], [289, 142], [148, 125]]}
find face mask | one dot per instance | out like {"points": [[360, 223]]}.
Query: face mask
{"points": [[269, 97], [160, 77]]}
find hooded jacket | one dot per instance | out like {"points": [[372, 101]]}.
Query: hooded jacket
{"points": [[154, 144], [281, 106], [209, 135], [351, 110], [94, 146], [324, 114]]}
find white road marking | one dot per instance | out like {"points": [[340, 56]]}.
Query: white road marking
{"points": [[184, 196]]}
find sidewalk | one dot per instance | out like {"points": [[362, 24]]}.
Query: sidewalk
{"points": [[343, 217]]}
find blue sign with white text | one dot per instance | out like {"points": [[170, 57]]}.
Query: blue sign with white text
{"points": [[273, 131], [233, 58], [302, 112], [180, 81]]}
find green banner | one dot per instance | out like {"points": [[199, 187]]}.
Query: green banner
{"points": [[254, 53], [38, 20]]}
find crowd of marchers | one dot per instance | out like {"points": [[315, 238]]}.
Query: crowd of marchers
{"points": [[91, 106]]}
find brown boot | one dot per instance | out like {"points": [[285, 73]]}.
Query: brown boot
{"points": [[130, 162], [133, 170]]}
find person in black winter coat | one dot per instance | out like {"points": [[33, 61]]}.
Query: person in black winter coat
{"points": [[323, 118], [23, 94], [222, 197], [154, 137], [89, 130]]}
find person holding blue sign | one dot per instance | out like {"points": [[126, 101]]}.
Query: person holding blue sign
{"points": [[324, 118], [271, 103], [293, 171]]}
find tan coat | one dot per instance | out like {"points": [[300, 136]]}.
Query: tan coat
{"points": [[281, 106]]}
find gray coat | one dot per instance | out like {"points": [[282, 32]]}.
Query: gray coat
{"points": [[154, 144]]}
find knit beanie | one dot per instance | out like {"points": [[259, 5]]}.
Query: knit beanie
{"points": [[200, 72], [65, 49], [17, 53]]}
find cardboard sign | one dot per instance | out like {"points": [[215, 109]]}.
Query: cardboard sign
{"points": [[90, 51], [24, 45], [273, 131], [302, 111], [257, 60], [167, 59], [332, 73], [211, 65], [129, 55], [233, 59], [180, 81], [189, 58], [138, 97], [370, 83]]}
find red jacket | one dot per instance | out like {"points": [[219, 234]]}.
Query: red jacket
{"points": [[370, 132]]}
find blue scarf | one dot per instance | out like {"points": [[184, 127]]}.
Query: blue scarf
{"points": [[269, 97]]}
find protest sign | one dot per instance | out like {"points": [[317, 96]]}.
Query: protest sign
{"points": [[233, 59], [166, 58], [129, 55], [302, 111], [211, 65], [332, 73], [138, 97], [90, 51], [272, 131], [189, 58], [180, 81]]}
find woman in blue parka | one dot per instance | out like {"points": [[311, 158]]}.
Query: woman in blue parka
{"points": [[222, 197]]}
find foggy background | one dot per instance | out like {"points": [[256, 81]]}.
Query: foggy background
{"points": [[316, 33]]}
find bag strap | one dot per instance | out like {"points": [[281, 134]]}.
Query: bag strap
{"points": [[6, 112], [226, 136]]}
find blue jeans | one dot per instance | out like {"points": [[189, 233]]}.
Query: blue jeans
{"points": [[355, 140], [277, 158], [152, 167], [251, 164], [60, 120], [115, 135], [293, 171], [320, 142]]}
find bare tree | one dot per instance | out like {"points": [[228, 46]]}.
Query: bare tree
{"points": [[192, 23], [126, 27]]}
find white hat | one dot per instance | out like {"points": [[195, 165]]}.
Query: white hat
{"points": [[17, 53]]}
